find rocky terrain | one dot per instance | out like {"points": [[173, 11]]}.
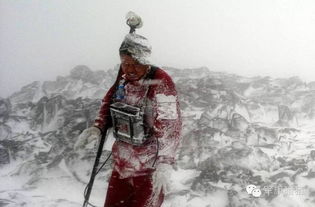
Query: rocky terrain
{"points": [[237, 131]]}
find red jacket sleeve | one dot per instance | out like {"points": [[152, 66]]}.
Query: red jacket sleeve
{"points": [[104, 119], [167, 117]]}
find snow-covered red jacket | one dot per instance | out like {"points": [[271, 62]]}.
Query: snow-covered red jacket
{"points": [[162, 114]]}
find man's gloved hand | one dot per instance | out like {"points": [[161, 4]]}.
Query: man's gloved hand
{"points": [[87, 136], [162, 178]]}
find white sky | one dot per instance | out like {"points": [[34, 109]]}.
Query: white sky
{"points": [[40, 39]]}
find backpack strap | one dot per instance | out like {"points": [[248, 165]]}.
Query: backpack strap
{"points": [[150, 76], [151, 73]]}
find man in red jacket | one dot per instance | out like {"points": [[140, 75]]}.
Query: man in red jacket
{"points": [[141, 172]]}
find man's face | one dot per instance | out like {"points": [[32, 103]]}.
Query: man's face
{"points": [[132, 69]]}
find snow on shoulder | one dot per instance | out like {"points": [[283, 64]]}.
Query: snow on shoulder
{"points": [[166, 106]]}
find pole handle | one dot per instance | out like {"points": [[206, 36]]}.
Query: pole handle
{"points": [[94, 171]]}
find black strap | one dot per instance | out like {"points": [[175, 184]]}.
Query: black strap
{"points": [[151, 73], [149, 76]]}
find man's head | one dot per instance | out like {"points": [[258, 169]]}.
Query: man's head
{"points": [[132, 69]]}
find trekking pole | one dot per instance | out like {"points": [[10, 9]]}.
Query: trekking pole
{"points": [[94, 171]]}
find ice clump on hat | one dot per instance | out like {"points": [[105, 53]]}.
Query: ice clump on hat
{"points": [[136, 45]]}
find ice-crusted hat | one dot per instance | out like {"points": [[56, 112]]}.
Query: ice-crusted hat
{"points": [[135, 45]]}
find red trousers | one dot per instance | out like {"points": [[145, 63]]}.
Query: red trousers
{"points": [[132, 192]]}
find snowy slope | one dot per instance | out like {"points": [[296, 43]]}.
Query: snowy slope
{"points": [[237, 131]]}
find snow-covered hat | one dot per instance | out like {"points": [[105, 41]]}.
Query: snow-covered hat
{"points": [[135, 45]]}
